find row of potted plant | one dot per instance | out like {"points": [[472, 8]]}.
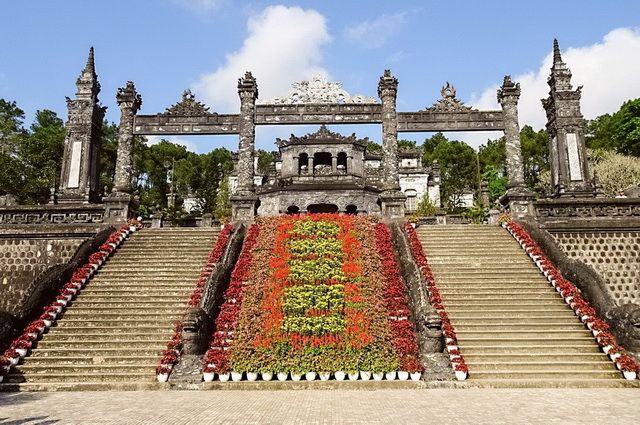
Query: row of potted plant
{"points": [[402, 329], [313, 306], [171, 353], [20, 346], [573, 297], [216, 359], [458, 364]]}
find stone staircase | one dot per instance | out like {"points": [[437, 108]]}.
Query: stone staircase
{"points": [[513, 328], [113, 333]]}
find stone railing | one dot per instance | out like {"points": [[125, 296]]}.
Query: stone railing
{"points": [[51, 214], [589, 212]]}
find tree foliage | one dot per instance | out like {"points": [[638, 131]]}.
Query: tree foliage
{"points": [[619, 132], [615, 172]]}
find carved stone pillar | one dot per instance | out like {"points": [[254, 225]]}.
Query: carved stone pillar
{"points": [[518, 198], [129, 101], [392, 200], [244, 199], [334, 164], [570, 174], [79, 177]]}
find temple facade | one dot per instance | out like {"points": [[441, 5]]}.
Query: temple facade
{"points": [[328, 172]]}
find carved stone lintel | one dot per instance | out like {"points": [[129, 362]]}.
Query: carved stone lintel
{"points": [[319, 90]]}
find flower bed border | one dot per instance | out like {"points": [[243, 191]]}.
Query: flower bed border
{"points": [[458, 364], [173, 349], [573, 297], [20, 346]]}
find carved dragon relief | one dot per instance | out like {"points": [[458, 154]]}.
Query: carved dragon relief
{"points": [[319, 90], [449, 102], [188, 106]]}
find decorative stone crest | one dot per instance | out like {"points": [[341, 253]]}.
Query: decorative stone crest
{"points": [[188, 106], [323, 135], [319, 90], [449, 102]]}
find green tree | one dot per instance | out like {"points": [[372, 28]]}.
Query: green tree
{"points": [[222, 210], [619, 132], [616, 172], [12, 135], [265, 159], [429, 146], [535, 154], [108, 155], [406, 144], [374, 148]]}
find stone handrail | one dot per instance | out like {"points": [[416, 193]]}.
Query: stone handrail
{"points": [[51, 214]]}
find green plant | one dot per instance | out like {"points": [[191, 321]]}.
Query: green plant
{"points": [[475, 214], [425, 208]]}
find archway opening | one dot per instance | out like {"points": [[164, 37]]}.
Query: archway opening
{"points": [[322, 208], [351, 209], [303, 164], [322, 163], [293, 210], [342, 163]]}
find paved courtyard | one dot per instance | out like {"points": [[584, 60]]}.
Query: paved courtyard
{"points": [[441, 406]]}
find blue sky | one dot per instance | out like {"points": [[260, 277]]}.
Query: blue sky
{"points": [[165, 46]]}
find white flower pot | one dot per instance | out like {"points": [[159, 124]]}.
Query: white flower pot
{"points": [[22, 351], [390, 376], [606, 349], [133, 228], [208, 376], [403, 375], [1, 378], [365, 376], [236, 376], [266, 376], [461, 376], [163, 377], [224, 377], [324, 376], [614, 356], [296, 376], [252, 376], [618, 366], [48, 323], [377, 376], [310, 376], [282, 376], [340, 376], [452, 347], [62, 300], [353, 376], [415, 376], [14, 360], [630, 375]]}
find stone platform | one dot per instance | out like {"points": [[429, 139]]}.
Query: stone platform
{"points": [[441, 406]]}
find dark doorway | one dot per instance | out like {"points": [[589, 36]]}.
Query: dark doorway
{"points": [[351, 209], [293, 210], [322, 208], [303, 164]]}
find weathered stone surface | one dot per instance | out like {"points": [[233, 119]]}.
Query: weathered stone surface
{"points": [[129, 101]]}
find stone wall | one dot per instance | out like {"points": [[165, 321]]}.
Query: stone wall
{"points": [[24, 259], [615, 255]]}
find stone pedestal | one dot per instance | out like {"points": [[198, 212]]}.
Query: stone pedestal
{"points": [[392, 204], [519, 202], [119, 207], [243, 207]]}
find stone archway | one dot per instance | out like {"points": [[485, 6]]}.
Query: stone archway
{"points": [[293, 210], [322, 208]]}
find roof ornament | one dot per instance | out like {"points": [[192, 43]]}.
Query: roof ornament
{"points": [[188, 106], [319, 90], [449, 102]]}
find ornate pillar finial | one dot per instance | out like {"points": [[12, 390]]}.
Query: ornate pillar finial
{"points": [[557, 58], [129, 101]]}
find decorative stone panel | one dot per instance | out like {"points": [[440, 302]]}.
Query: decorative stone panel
{"points": [[22, 260], [615, 255]]}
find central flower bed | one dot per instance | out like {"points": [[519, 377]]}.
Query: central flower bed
{"points": [[319, 298]]}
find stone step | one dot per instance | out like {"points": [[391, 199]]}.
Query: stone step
{"points": [[505, 307], [535, 357], [161, 323], [577, 366], [170, 303], [501, 316], [543, 349], [97, 311], [150, 344], [83, 377], [108, 335], [504, 289], [32, 361], [513, 341], [83, 369], [96, 352], [500, 296], [143, 314], [510, 333], [488, 274], [138, 269], [487, 268], [99, 283], [551, 383], [465, 326], [496, 302], [144, 297], [558, 374]]}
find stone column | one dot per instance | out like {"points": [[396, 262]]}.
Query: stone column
{"points": [[244, 199], [334, 164], [508, 96], [518, 198], [129, 101], [392, 200]]}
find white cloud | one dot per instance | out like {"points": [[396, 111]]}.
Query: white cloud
{"points": [[608, 70], [283, 45], [153, 140], [199, 5], [374, 33]]}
